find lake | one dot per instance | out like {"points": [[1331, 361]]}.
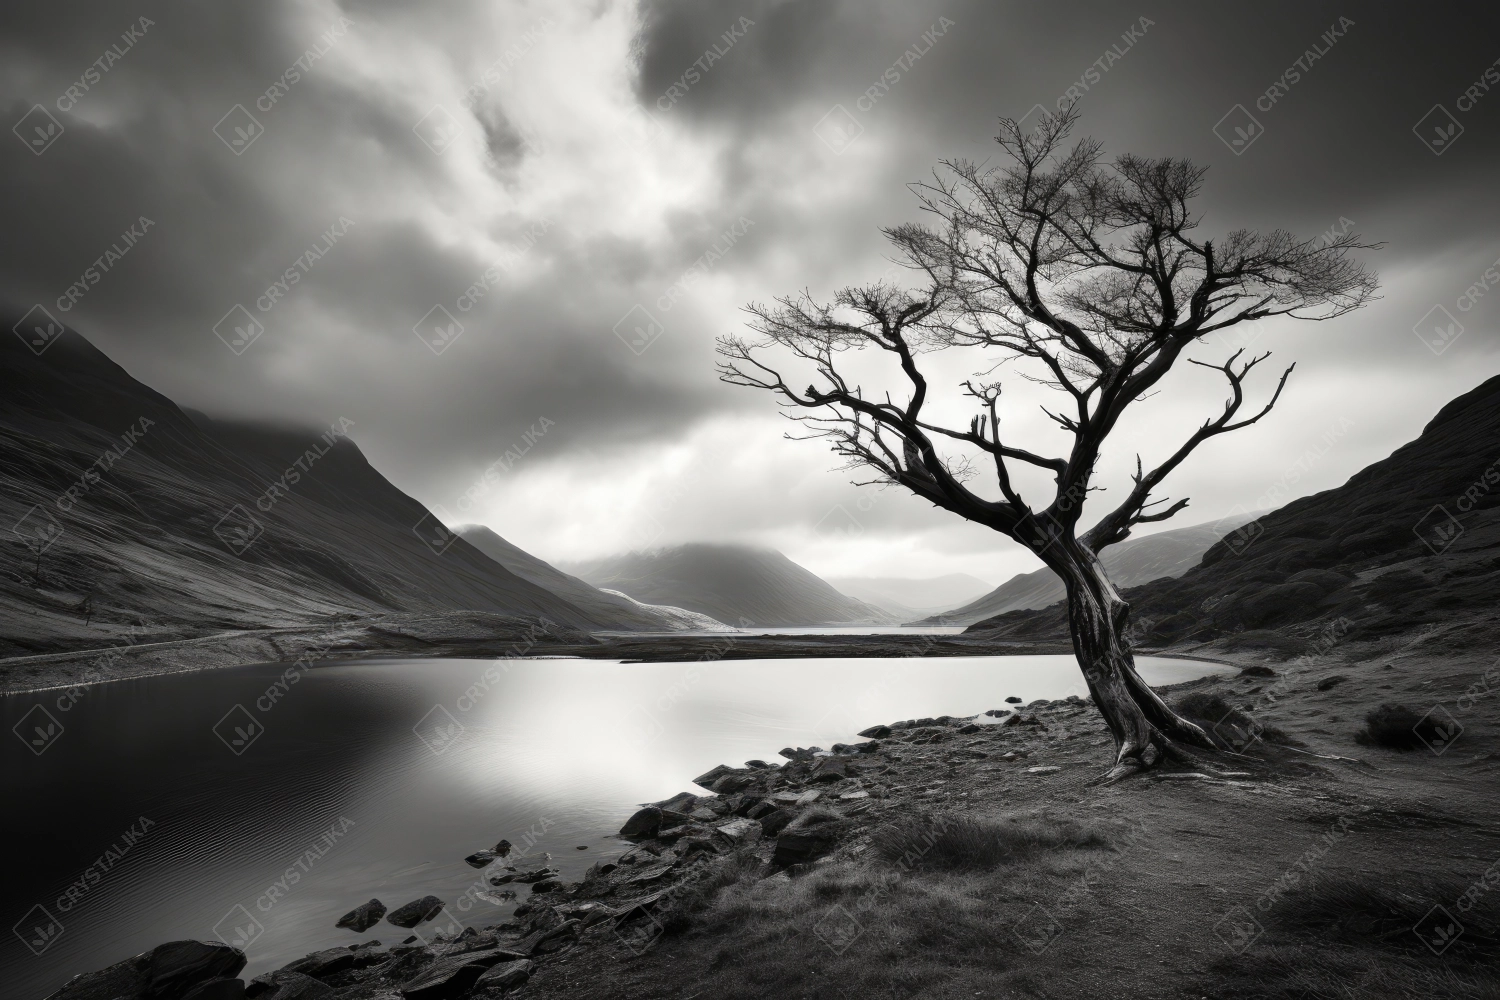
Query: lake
{"points": [[264, 802]]}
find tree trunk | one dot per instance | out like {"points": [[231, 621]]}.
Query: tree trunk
{"points": [[1097, 616]]}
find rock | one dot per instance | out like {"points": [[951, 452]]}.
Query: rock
{"points": [[972, 727], [546, 885], [876, 732], [787, 797], [854, 796], [1328, 683], [708, 778], [415, 912], [995, 713], [323, 963], [536, 875], [682, 802], [774, 822], [703, 814], [552, 939], [217, 989], [808, 797], [1257, 670], [829, 769], [502, 848], [1043, 769], [741, 831], [651, 873], [798, 847], [481, 859], [505, 976], [362, 917], [453, 975], [173, 969], [1013, 700], [871, 746], [285, 985], [758, 765], [762, 808], [643, 823], [733, 783], [587, 913]]}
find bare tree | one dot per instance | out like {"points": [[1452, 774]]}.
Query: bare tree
{"points": [[1082, 275]]}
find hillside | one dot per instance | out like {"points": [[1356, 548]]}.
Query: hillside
{"points": [[609, 610], [736, 584], [1408, 544], [912, 598], [137, 522], [1130, 563]]}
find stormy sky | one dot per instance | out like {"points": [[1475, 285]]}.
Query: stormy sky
{"points": [[432, 220]]}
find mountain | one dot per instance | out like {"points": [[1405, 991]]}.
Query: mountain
{"points": [[608, 609], [1408, 544], [133, 518], [1131, 562], [736, 584], [911, 598]]}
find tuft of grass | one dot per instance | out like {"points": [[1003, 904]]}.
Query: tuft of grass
{"points": [[1397, 727], [974, 843], [1231, 727]]}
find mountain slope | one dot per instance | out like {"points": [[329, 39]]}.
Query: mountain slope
{"points": [[736, 584], [1411, 542], [912, 598], [614, 611], [128, 510], [1131, 562]]}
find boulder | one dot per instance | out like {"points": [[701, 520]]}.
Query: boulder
{"points": [[830, 769], [1013, 700], [174, 968], [502, 848], [453, 975], [741, 831], [481, 859], [362, 917], [876, 732], [682, 802], [798, 847], [757, 764], [323, 963], [505, 976], [733, 782], [546, 885], [644, 823], [415, 912], [217, 989], [707, 778], [1329, 683], [285, 985], [775, 821]]}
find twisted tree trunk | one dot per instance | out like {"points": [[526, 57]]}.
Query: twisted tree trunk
{"points": [[1136, 715]]}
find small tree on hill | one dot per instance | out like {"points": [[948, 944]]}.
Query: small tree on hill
{"points": [[1084, 276]]}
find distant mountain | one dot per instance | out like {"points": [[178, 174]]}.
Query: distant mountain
{"points": [[1131, 562], [911, 598], [676, 618], [126, 509], [736, 584], [608, 609], [1411, 542]]}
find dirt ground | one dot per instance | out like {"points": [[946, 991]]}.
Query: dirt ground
{"points": [[1307, 877]]}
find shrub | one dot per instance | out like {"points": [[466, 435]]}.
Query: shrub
{"points": [[973, 843], [1397, 727]]}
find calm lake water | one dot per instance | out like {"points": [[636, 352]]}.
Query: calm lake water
{"points": [[139, 824]]}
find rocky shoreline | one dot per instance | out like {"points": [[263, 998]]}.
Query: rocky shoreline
{"points": [[776, 821]]}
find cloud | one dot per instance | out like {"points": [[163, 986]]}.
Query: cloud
{"points": [[530, 169]]}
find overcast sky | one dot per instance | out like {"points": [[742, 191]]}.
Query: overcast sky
{"points": [[541, 170]]}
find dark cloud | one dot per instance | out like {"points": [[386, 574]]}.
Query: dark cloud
{"points": [[591, 225]]}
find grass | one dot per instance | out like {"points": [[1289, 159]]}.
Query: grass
{"points": [[959, 843], [1232, 728], [1397, 727], [1351, 936]]}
